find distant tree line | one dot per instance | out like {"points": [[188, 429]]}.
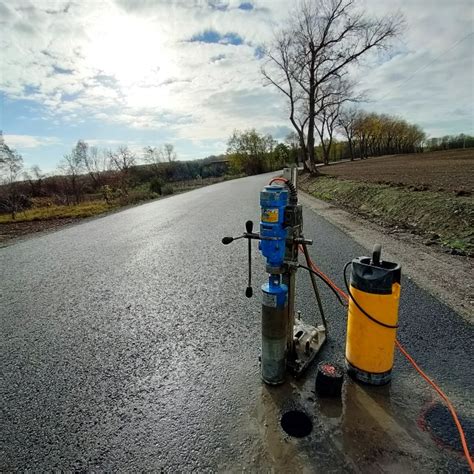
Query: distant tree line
{"points": [[449, 142], [88, 172], [385, 142], [371, 134]]}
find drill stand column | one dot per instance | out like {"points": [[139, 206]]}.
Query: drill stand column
{"points": [[303, 340]]}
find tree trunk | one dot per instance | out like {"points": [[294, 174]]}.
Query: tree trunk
{"points": [[325, 153], [310, 146], [312, 106], [328, 150], [351, 148]]}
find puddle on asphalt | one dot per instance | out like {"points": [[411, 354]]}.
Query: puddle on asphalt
{"points": [[364, 429], [436, 420]]}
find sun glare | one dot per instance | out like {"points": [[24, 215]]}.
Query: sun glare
{"points": [[129, 49]]}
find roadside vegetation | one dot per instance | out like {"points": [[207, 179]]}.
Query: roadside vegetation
{"points": [[432, 198], [91, 181], [53, 211]]}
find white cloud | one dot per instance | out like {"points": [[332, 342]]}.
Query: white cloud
{"points": [[110, 144], [29, 141], [102, 142], [131, 63], [145, 51]]}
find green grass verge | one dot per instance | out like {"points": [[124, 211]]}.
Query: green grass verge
{"points": [[85, 209], [442, 217]]}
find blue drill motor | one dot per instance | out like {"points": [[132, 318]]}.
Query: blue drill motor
{"points": [[273, 202]]}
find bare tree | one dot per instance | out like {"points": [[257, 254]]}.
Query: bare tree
{"points": [[169, 153], [154, 157], [11, 165], [161, 159], [325, 126], [35, 178], [321, 41], [96, 163], [122, 160], [346, 123], [72, 166], [293, 142], [330, 103]]}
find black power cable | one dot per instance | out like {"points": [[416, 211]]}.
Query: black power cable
{"points": [[388, 326], [293, 191], [291, 187]]}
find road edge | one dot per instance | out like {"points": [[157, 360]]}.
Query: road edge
{"points": [[447, 277]]}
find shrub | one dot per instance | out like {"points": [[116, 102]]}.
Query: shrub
{"points": [[156, 185], [14, 203], [135, 197], [107, 193], [167, 189]]}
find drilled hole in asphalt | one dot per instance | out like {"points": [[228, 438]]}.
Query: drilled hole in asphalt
{"points": [[438, 422], [296, 423]]}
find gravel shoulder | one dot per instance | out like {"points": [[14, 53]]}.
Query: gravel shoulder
{"points": [[447, 277]]}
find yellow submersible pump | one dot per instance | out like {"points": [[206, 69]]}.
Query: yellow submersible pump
{"points": [[372, 318]]}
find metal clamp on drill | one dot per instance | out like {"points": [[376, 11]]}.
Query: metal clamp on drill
{"points": [[287, 342]]}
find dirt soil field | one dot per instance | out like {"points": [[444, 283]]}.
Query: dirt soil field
{"points": [[430, 195], [451, 171]]}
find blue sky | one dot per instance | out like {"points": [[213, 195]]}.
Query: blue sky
{"points": [[187, 72]]}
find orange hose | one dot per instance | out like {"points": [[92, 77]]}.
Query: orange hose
{"points": [[284, 180], [410, 359], [446, 400]]}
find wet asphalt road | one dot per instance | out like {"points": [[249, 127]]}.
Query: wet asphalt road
{"points": [[127, 344]]}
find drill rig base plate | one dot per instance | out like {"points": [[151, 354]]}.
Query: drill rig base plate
{"points": [[307, 342]]}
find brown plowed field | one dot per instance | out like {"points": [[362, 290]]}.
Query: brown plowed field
{"points": [[451, 170]]}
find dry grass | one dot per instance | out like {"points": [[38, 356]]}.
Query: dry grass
{"points": [[442, 217], [77, 211]]}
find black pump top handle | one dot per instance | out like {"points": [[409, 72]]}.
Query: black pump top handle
{"points": [[376, 254]]}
